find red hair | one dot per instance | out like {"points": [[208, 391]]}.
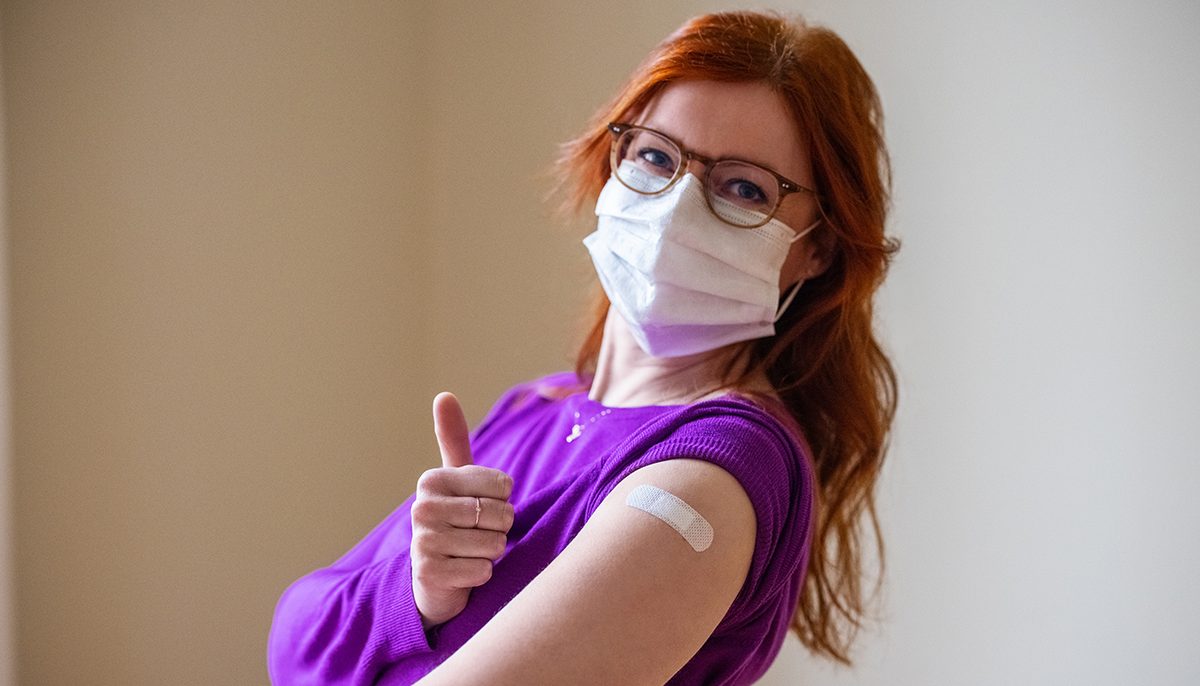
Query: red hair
{"points": [[824, 360]]}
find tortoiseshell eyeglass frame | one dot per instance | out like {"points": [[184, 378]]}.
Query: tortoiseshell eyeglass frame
{"points": [[786, 185]]}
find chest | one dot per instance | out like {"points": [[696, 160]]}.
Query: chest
{"points": [[551, 442]]}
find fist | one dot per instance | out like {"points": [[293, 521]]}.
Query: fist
{"points": [[450, 553]]}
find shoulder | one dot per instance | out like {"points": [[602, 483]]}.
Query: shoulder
{"points": [[765, 455], [558, 384], [739, 460], [550, 386]]}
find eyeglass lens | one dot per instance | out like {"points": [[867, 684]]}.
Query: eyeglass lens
{"points": [[739, 193]]}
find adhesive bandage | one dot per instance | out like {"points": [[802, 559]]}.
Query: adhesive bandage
{"points": [[694, 528]]}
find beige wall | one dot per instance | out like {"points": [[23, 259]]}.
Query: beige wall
{"points": [[8, 656], [250, 242], [216, 317]]}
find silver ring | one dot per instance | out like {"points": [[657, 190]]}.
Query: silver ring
{"points": [[478, 507]]}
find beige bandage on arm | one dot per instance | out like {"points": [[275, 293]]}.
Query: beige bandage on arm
{"points": [[694, 528]]}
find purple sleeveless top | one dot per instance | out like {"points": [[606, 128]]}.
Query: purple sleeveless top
{"points": [[355, 621]]}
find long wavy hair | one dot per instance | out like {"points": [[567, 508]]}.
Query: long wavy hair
{"points": [[824, 360]]}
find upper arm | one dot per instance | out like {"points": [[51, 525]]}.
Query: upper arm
{"points": [[629, 600]]}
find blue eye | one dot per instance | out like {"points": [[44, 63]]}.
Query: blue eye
{"points": [[746, 192], [657, 158]]}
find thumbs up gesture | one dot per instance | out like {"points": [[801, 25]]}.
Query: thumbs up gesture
{"points": [[460, 520]]}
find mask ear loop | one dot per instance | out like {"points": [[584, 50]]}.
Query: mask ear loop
{"points": [[805, 232], [788, 301]]}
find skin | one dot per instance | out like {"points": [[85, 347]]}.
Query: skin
{"points": [[597, 613], [450, 554]]}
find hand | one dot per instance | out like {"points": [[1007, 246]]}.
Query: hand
{"points": [[450, 555]]}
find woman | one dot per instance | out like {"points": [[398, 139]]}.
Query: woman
{"points": [[666, 512]]}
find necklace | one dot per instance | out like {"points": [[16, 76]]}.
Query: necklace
{"points": [[578, 428]]}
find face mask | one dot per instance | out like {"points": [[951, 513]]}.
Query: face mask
{"points": [[683, 280]]}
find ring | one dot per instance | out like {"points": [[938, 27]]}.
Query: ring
{"points": [[478, 507]]}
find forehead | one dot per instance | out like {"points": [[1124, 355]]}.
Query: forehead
{"points": [[746, 120]]}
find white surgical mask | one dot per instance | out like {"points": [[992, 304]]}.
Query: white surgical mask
{"points": [[683, 280]]}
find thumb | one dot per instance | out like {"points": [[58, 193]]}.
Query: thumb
{"points": [[450, 426]]}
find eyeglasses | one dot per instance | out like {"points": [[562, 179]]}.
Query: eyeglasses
{"points": [[740, 193]]}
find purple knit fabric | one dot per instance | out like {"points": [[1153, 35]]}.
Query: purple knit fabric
{"points": [[355, 621]]}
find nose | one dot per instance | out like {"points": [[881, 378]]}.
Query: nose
{"points": [[695, 166]]}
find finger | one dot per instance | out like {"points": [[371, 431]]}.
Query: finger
{"points": [[450, 426], [467, 480], [438, 512], [459, 512], [464, 572], [481, 543]]}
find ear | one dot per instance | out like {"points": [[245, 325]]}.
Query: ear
{"points": [[818, 251]]}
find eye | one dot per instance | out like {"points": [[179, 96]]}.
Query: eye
{"points": [[744, 192], [657, 158]]}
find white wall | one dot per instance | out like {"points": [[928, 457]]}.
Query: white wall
{"points": [[1044, 313]]}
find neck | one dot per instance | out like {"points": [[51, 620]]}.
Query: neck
{"points": [[627, 376]]}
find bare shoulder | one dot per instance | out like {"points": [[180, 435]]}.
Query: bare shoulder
{"points": [[705, 486]]}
